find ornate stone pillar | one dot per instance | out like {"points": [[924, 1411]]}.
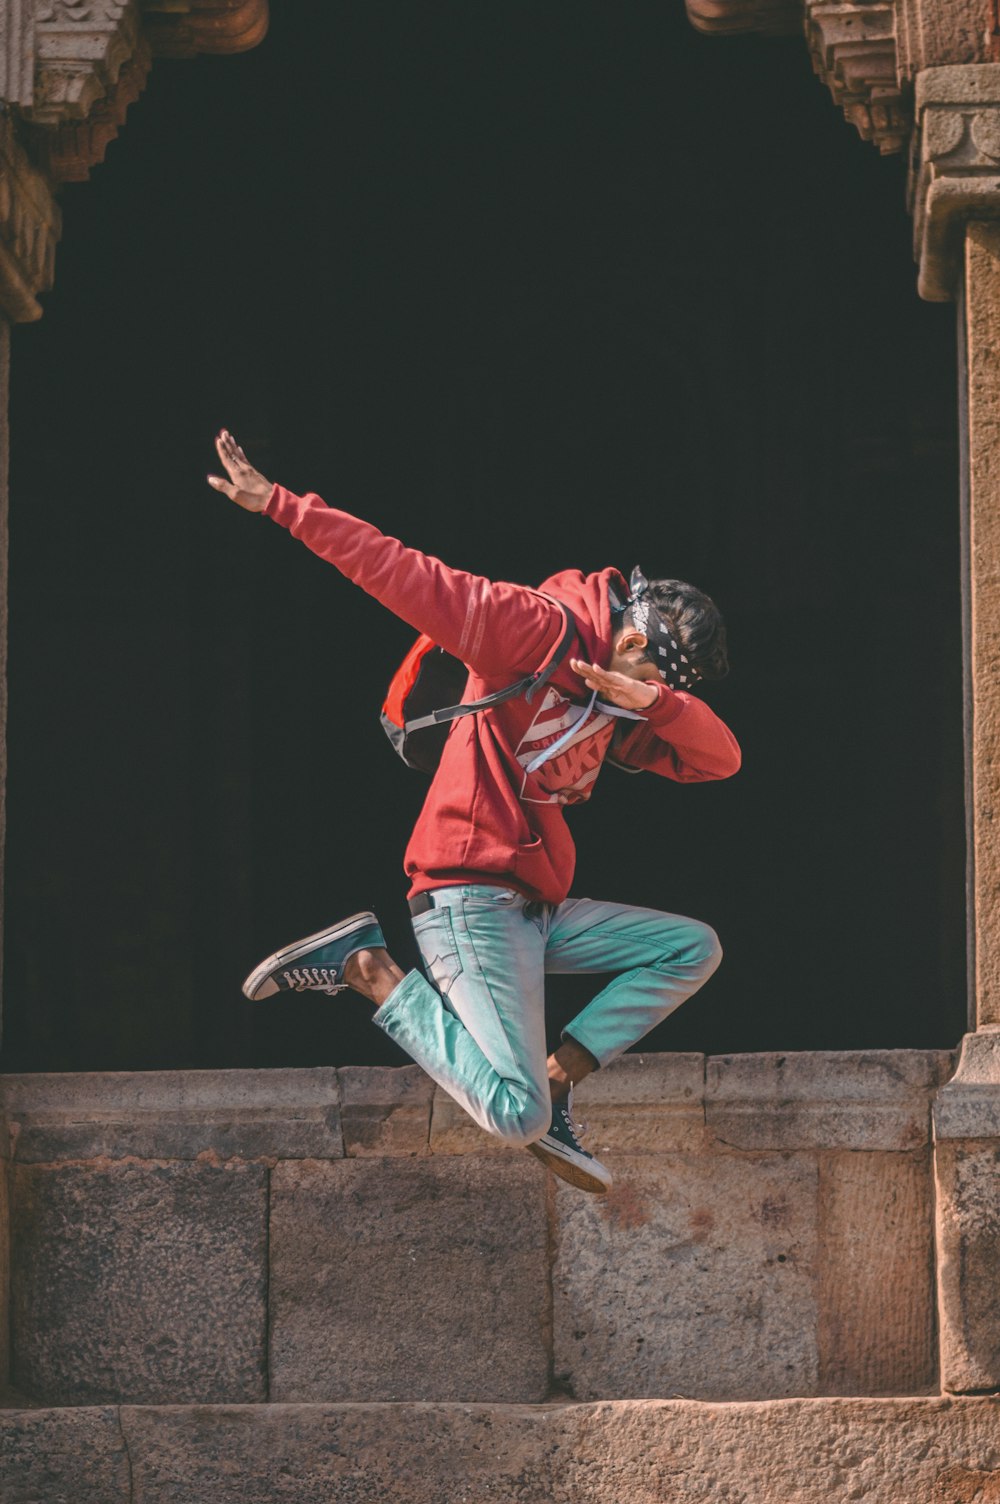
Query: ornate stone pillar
{"points": [[922, 74], [967, 1111]]}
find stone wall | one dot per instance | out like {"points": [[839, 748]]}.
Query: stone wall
{"points": [[892, 1451], [349, 1235]]}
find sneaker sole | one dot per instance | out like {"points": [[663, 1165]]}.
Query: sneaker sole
{"points": [[566, 1169], [282, 957]]}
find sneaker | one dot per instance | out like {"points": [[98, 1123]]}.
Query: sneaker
{"points": [[315, 964], [560, 1149]]}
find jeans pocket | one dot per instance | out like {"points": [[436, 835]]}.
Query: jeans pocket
{"points": [[482, 897], [436, 939]]}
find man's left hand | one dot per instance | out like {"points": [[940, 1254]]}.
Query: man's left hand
{"points": [[630, 694]]}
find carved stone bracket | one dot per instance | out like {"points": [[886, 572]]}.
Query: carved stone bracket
{"points": [[71, 68], [955, 168], [81, 47], [68, 152], [867, 52], [853, 50], [29, 228]]}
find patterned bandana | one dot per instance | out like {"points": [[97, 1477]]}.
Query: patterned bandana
{"points": [[674, 667]]}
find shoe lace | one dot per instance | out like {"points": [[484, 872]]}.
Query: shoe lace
{"points": [[313, 979], [577, 1129]]}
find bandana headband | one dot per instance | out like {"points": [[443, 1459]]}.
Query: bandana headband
{"points": [[674, 666]]}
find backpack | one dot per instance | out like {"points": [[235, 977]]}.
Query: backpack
{"points": [[429, 677]]}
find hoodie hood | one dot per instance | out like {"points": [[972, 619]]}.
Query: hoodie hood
{"points": [[588, 597]]}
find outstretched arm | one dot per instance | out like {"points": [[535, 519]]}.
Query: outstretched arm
{"points": [[496, 629]]}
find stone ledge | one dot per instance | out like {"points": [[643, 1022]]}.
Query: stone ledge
{"points": [[246, 1114], [865, 1100], [935, 1450], [385, 1109], [643, 1104]]}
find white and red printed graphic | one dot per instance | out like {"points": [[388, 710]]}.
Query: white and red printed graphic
{"points": [[569, 776]]}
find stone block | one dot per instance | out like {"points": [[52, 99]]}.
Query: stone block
{"points": [[644, 1104], [385, 1109], [139, 1282], [968, 1232], [875, 1274], [694, 1276], [414, 1278], [891, 1451], [968, 1106], [244, 1114], [866, 1099], [454, 1132], [75, 1456]]}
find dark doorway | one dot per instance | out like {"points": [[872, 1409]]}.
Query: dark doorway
{"points": [[530, 287]]}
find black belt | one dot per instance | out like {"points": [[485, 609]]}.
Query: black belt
{"points": [[424, 901]]}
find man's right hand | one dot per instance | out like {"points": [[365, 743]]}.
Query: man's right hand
{"points": [[246, 486]]}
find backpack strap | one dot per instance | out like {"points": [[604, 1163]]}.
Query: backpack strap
{"points": [[527, 686]]}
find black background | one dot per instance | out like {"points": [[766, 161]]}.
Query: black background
{"points": [[530, 286]]}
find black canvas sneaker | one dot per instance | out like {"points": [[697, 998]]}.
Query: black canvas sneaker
{"points": [[560, 1149]]}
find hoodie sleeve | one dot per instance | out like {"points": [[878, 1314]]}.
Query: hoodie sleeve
{"points": [[494, 629], [680, 738]]}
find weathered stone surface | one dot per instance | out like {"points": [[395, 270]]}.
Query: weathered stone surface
{"points": [[694, 1276], [981, 500], [454, 1132], [644, 1104], [968, 1229], [954, 172], [409, 1279], [139, 1282], [910, 1451], [236, 1114], [385, 1109], [968, 1106], [870, 1099], [63, 1457], [936, 33], [875, 1274]]}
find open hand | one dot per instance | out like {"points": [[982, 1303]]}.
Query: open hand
{"points": [[630, 694], [246, 486]]}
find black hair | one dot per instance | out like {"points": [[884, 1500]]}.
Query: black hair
{"points": [[695, 621]]}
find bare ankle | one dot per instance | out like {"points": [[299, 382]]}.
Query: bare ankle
{"points": [[569, 1065], [373, 973]]}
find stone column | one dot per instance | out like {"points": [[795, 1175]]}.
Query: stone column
{"points": [[955, 198], [967, 1112]]}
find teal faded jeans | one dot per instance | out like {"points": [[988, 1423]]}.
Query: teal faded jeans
{"points": [[478, 1025]]}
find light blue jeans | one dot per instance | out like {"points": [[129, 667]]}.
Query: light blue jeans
{"points": [[479, 1030]]}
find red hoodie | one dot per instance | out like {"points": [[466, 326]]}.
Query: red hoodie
{"points": [[487, 818]]}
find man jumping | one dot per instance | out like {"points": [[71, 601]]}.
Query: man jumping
{"points": [[491, 860]]}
